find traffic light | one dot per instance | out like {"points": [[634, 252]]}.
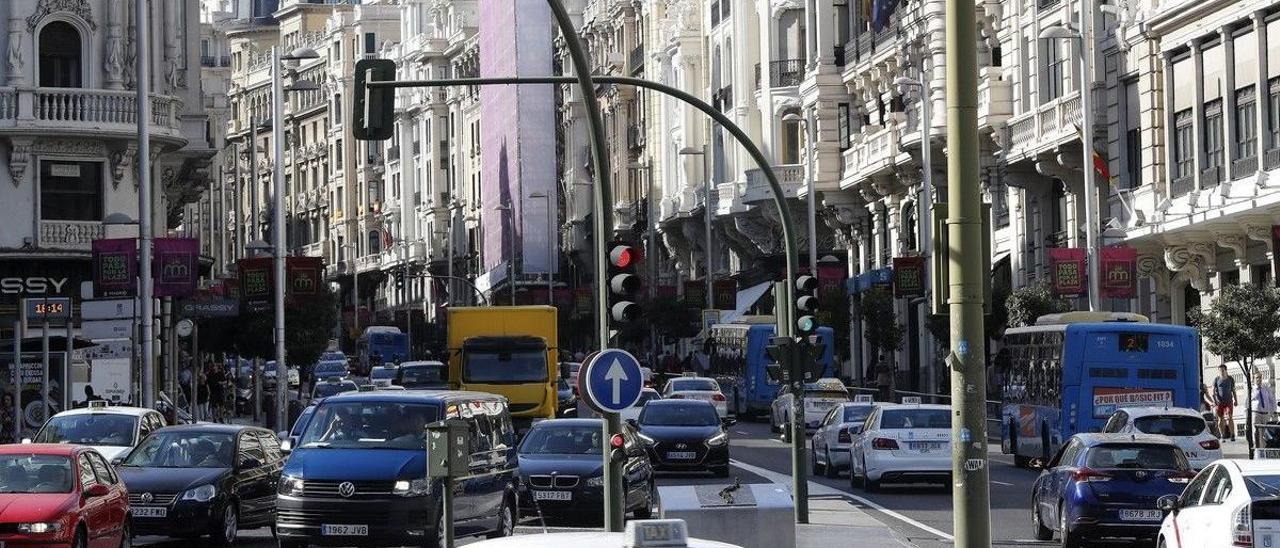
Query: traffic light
{"points": [[374, 109], [623, 282], [806, 305], [617, 448], [400, 279], [779, 351]]}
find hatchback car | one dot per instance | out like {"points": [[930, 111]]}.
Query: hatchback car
{"points": [[835, 435], [1106, 485], [819, 397], [561, 471], [685, 435], [329, 369], [902, 443], [111, 430], [61, 495], [203, 479], [1184, 426], [1222, 504]]}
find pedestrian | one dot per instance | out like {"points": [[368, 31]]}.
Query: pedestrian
{"points": [[215, 381], [884, 381], [1224, 399], [1263, 399], [1206, 400]]}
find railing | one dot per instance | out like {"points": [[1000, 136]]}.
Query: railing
{"points": [[636, 59], [1042, 4], [715, 14], [73, 235], [1272, 159], [393, 153], [1182, 186], [1244, 167], [783, 73], [1211, 177], [1050, 122], [635, 136], [88, 106], [876, 151], [839, 50], [790, 176]]}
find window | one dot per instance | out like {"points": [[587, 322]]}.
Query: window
{"points": [[1273, 113], [70, 191], [1183, 153], [1054, 70], [1213, 142], [370, 42], [337, 109], [844, 126], [87, 478], [105, 474], [790, 141], [250, 448], [1191, 496], [1133, 157], [270, 447], [59, 56], [1246, 123]]}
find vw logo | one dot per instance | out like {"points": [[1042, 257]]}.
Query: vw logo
{"points": [[1140, 474], [147, 498], [346, 489], [682, 446]]}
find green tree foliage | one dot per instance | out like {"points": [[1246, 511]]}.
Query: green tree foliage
{"points": [[1241, 326], [1027, 303], [309, 324], [882, 331]]}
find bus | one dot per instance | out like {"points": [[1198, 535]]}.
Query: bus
{"points": [[383, 344], [738, 359], [1070, 372]]}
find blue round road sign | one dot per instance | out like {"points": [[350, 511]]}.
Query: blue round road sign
{"points": [[611, 380]]}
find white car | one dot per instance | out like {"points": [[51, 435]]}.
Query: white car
{"points": [[834, 436], [697, 388], [819, 397], [269, 374], [1232, 502], [902, 443], [111, 430], [633, 412], [1186, 427]]}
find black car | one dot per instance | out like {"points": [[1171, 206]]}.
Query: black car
{"points": [[203, 479], [562, 470], [685, 435], [423, 375]]}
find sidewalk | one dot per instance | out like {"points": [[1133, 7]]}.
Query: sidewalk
{"points": [[836, 522]]}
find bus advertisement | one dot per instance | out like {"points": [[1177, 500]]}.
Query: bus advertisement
{"points": [[739, 357], [1067, 378]]}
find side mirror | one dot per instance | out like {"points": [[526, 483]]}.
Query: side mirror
{"points": [[116, 461], [1167, 503], [26, 441], [97, 490], [1037, 464], [286, 444]]}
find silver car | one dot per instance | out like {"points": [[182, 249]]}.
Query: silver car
{"points": [[834, 436]]}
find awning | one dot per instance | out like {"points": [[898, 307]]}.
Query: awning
{"points": [[746, 299]]}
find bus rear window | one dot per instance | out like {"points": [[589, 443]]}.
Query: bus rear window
{"points": [[1170, 425], [1133, 342]]}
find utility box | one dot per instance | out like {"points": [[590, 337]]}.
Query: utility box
{"points": [[717, 512], [447, 455]]}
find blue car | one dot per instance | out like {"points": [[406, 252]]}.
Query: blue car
{"points": [[1106, 485]]}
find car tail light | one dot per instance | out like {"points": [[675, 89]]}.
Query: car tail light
{"points": [[1210, 445], [718, 397], [1180, 477], [1089, 475], [844, 436], [884, 443], [1242, 527]]}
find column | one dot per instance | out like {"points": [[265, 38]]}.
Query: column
{"points": [[1169, 128], [114, 66], [811, 32], [1197, 112], [408, 176], [1229, 105], [825, 33], [14, 68], [1263, 95]]}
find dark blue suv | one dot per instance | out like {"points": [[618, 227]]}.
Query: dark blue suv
{"points": [[357, 473], [1106, 485]]}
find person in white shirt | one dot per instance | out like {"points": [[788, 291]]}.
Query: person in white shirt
{"points": [[1263, 399]]}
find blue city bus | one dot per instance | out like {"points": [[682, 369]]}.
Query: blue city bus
{"points": [[387, 343], [1070, 372], [738, 360]]}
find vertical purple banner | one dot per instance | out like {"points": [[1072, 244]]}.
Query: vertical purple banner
{"points": [[175, 266], [115, 267]]}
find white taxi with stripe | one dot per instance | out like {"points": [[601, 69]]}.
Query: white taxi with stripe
{"points": [[697, 388], [902, 443]]}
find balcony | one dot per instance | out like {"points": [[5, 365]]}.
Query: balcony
{"points": [[782, 73], [91, 112], [635, 136], [1182, 186], [636, 59], [876, 151], [790, 176], [1244, 167], [393, 153], [1272, 159], [212, 61], [1211, 177], [722, 99], [995, 98], [1048, 127], [70, 235]]}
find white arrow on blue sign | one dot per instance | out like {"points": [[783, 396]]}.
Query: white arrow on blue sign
{"points": [[612, 380]]}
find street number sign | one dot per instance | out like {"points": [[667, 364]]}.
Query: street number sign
{"points": [[611, 380]]}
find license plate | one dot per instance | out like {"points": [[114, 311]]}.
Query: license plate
{"points": [[682, 455], [926, 446], [553, 495], [150, 511], [345, 530], [1141, 515]]}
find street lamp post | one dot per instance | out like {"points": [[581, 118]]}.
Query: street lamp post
{"points": [[141, 16], [511, 246], [706, 206], [551, 243], [924, 212], [1091, 228], [811, 214]]}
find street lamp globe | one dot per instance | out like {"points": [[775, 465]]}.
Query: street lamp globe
{"points": [[1058, 32]]}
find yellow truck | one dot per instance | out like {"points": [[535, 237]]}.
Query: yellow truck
{"points": [[507, 350]]}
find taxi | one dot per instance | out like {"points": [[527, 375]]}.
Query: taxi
{"points": [[830, 444], [689, 387], [652, 533], [902, 443], [112, 430], [819, 398]]}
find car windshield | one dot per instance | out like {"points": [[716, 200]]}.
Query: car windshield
{"points": [[333, 356], [382, 373], [423, 374], [856, 413], [184, 449], [35, 474], [329, 369], [700, 385], [525, 366], [681, 414], [302, 421], [326, 389], [1263, 486], [915, 418], [1170, 425], [369, 425], [562, 440], [1136, 455], [90, 429]]}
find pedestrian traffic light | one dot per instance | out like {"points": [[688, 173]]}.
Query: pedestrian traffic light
{"points": [[623, 282], [374, 108], [806, 305]]}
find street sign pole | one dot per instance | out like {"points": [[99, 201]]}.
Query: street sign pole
{"points": [[44, 373], [610, 381], [17, 381]]}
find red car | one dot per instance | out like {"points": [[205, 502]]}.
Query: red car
{"points": [[61, 495]]}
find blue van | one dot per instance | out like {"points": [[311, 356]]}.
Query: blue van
{"points": [[356, 475]]}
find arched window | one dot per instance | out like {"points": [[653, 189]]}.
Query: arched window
{"points": [[60, 56], [791, 138], [375, 241]]}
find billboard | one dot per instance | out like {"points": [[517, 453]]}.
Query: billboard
{"points": [[1106, 399]]}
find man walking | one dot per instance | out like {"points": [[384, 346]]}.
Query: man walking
{"points": [[1224, 397]]}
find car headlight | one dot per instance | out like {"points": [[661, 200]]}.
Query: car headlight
{"points": [[646, 439], [290, 486], [412, 488], [204, 493], [718, 440], [597, 481], [39, 528]]}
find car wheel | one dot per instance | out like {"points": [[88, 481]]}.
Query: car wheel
{"points": [[1069, 539], [79, 541], [227, 527], [506, 520], [1037, 526], [854, 479], [646, 511], [830, 470]]}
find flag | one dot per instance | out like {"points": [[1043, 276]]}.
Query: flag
{"points": [[115, 267], [1099, 159], [880, 13]]}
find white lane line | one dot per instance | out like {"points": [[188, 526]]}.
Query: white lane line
{"points": [[1002, 483], [820, 489], [778, 441]]}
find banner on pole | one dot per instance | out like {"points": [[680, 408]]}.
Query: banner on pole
{"points": [[175, 266], [1067, 266], [695, 294], [255, 283], [303, 276], [726, 296], [1119, 272], [908, 277], [115, 267]]}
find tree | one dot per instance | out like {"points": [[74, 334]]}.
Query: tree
{"points": [[1241, 326], [309, 324], [1027, 303], [882, 331]]}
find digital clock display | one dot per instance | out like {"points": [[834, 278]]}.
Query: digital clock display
{"points": [[50, 309]]}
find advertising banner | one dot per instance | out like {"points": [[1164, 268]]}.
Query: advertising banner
{"points": [[695, 294], [32, 408], [1106, 399], [175, 266], [303, 276], [115, 267], [255, 283], [1119, 272], [1067, 267], [726, 295], [908, 277]]}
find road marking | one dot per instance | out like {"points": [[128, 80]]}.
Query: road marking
{"points": [[778, 441], [1002, 483], [820, 489]]}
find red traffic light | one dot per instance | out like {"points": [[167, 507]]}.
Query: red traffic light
{"points": [[616, 441], [623, 256]]}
